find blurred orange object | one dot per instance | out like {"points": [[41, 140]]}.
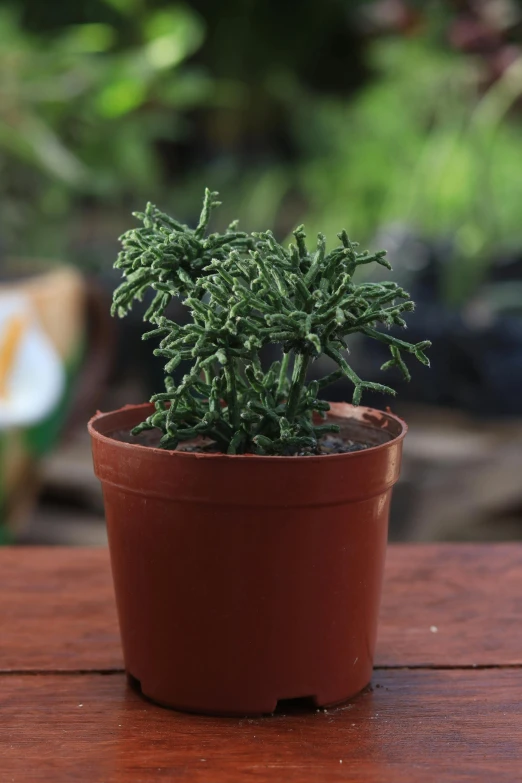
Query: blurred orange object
{"points": [[44, 343]]}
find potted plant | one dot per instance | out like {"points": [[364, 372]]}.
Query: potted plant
{"points": [[247, 517]]}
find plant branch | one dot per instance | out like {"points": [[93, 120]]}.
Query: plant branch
{"points": [[245, 292], [298, 381]]}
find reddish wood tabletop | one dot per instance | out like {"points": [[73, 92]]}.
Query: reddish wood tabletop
{"points": [[445, 703]]}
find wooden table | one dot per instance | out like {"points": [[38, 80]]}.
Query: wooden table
{"points": [[445, 703]]}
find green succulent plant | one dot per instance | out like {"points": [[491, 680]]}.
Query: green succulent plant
{"points": [[245, 292]]}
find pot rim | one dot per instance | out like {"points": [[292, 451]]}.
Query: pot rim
{"points": [[339, 410]]}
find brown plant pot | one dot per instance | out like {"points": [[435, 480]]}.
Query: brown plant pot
{"points": [[245, 580]]}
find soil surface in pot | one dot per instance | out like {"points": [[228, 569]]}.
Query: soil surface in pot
{"points": [[354, 436]]}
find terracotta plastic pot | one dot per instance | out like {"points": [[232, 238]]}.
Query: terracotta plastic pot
{"points": [[245, 580]]}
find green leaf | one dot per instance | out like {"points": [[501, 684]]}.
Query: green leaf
{"points": [[126, 7], [173, 34], [119, 97], [48, 150], [87, 38]]}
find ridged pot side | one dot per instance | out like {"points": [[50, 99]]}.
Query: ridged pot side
{"points": [[244, 580]]}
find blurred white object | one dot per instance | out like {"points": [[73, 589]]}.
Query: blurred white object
{"points": [[32, 377]]}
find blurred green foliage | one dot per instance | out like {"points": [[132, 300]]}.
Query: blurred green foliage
{"points": [[421, 147], [292, 117], [80, 114]]}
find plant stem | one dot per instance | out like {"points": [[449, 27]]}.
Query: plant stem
{"points": [[298, 381], [234, 412], [283, 375]]}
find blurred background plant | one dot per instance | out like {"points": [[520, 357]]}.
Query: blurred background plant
{"points": [[398, 119], [426, 152], [81, 110], [369, 115]]}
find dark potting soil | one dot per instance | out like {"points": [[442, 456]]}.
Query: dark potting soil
{"points": [[354, 436]]}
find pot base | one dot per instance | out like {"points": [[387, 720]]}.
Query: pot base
{"points": [[268, 707]]}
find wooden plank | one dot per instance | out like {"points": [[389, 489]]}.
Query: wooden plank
{"points": [[452, 605], [429, 726], [58, 608]]}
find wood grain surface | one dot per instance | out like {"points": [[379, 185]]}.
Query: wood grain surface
{"points": [[444, 706], [470, 593], [425, 726], [57, 610], [443, 605]]}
